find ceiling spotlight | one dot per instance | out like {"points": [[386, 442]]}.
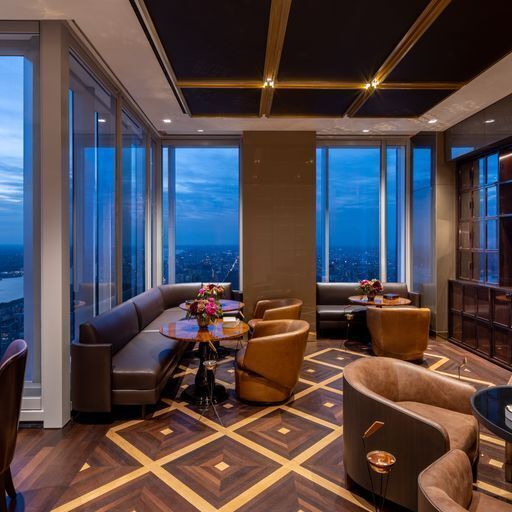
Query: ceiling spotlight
{"points": [[200, 130], [367, 85], [375, 83], [269, 83], [167, 121], [432, 121], [489, 121], [101, 120], [366, 131]]}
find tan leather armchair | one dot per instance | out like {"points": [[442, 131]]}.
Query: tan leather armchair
{"points": [[267, 368], [276, 309], [446, 486], [401, 333], [425, 414]]}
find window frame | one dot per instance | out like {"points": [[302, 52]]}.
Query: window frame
{"points": [[403, 237], [188, 142]]}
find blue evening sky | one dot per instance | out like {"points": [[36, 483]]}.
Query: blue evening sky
{"points": [[11, 150], [207, 196]]}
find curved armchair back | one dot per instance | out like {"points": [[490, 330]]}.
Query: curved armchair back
{"points": [[275, 352], [446, 485], [402, 333], [12, 376], [278, 309]]}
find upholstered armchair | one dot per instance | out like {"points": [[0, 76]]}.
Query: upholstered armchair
{"points": [[401, 333], [12, 376], [267, 368], [446, 486], [425, 414], [276, 309]]}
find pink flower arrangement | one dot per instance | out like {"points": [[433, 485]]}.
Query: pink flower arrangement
{"points": [[210, 290], [371, 286], [205, 309]]}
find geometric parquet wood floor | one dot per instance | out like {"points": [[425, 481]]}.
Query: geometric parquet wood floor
{"points": [[286, 458]]}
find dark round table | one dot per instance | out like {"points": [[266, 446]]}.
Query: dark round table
{"points": [[489, 408], [189, 331]]}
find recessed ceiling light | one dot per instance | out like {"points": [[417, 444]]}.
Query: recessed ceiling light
{"points": [[101, 120], [489, 121], [269, 83], [200, 130], [167, 121], [432, 121], [366, 131]]}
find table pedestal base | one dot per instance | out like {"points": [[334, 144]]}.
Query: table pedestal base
{"points": [[199, 395], [508, 461]]}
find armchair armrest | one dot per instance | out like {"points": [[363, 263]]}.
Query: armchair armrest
{"points": [[91, 377], [415, 298]]}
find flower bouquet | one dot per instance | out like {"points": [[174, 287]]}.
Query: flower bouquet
{"points": [[211, 290], [370, 287], [205, 311]]}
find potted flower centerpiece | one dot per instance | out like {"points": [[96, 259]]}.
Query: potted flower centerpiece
{"points": [[370, 288], [211, 290], [205, 311]]}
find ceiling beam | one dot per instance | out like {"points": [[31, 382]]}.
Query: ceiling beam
{"points": [[423, 85], [219, 84], [413, 35], [279, 12]]}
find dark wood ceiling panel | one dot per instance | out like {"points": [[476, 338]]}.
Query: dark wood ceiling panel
{"points": [[206, 39], [219, 102], [321, 103], [336, 40], [468, 37], [401, 103]]}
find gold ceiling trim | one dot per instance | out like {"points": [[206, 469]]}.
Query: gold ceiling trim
{"points": [[279, 12], [423, 85], [419, 27], [219, 84]]}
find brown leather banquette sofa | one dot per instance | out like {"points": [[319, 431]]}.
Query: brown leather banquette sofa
{"points": [[121, 358], [332, 304]]}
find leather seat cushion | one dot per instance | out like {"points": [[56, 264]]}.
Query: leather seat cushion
{"points": [[149, 305], [462, 428], [334, 312], [143, 362], [483, 503], [169, 315]]}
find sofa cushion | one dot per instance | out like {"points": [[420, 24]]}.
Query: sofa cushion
{"points": [[169, 315], [117, 327], [335, 293], [462, 428], [400, 288], [334, 312], [175, 294], [143, 362], [149, 305]]}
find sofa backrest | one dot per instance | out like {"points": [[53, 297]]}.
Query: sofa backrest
{"points": [[330, 294], [116, 327], [149, 305], [175, 294]]}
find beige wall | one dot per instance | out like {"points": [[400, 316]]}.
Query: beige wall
{"points": [[445, 229], [278, 205]]}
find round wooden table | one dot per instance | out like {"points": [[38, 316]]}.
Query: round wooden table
{"points": [[379, 301], [228, 306], [189, 331]]}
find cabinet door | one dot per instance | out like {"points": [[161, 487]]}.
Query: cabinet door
{"points": [[502, 344], [483, 333]]}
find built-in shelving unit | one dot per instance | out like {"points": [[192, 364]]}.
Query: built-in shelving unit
{"points": [[480, 300]]}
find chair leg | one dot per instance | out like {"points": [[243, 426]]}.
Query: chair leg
{"points": [[9, 484]]}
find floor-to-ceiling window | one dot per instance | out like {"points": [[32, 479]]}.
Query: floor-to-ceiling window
{"points": [[92, 152], [133, 167], [201, 214], [360, 212], [19, 250]]}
